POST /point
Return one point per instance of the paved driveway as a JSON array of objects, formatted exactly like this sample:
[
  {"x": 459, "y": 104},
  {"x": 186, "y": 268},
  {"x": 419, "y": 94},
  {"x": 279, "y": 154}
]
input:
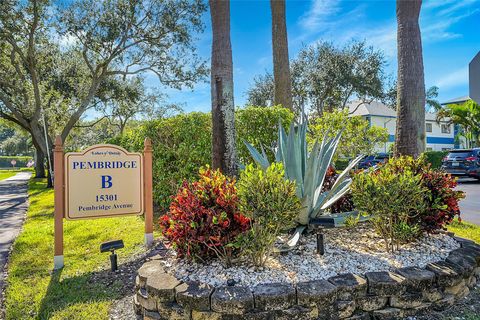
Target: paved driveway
[
  {"x": 13, "y": 205},
  {"x": 470, "y": 206}
]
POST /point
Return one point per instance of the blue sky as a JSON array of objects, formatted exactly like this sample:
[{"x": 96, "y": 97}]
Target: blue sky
[{"x": 450, "y": 35}]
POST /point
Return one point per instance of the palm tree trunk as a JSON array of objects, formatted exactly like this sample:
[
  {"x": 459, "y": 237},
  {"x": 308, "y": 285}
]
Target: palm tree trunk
[
  {"x": 410, "y": 131},
  {"x": 224, "y": 155},
  {"x": 281, "y": 64}
]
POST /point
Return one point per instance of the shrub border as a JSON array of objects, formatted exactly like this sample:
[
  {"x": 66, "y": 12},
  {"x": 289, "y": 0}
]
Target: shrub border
[{"x": 377, "y": 295}]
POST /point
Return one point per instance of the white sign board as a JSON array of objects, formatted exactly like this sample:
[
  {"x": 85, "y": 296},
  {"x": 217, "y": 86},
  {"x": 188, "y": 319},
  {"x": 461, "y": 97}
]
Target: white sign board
[{"x": 103, "y": 181}]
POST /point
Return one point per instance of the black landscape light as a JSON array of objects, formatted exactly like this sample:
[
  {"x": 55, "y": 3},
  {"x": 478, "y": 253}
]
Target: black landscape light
[
  {"x": 318, "y": 225},
  {"x": 112, "y": 246}
]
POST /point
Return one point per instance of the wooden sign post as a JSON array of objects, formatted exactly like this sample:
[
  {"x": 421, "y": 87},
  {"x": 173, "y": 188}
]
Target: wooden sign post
[{"x": 101, "y": 181}]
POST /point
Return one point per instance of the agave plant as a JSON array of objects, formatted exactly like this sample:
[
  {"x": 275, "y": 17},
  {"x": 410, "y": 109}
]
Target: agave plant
[{"x": 308, "y": 169}]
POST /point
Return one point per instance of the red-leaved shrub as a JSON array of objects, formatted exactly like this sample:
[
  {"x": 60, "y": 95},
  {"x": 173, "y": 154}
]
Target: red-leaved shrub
[
  {"x": 204, "y": 220},
  {"x": 345, "y": 203},
  {"x": 442, "y": 202}
]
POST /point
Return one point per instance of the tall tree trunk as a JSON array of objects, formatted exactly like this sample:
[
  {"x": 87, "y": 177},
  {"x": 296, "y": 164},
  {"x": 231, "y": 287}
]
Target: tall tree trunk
[
  {"x": 49, "y": 173},
  {"x": 410, "y": 131},
  {"x": 224, "y": 155},
  {"x": 39, "y": 163},
  {"x": 281, "y": 64}
]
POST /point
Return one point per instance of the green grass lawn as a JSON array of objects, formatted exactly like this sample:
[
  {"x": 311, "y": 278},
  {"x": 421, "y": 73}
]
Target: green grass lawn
[
  {"x": 35, "y": 292},
  {"x": 465, "y": 230},
  {"x": 4, "y": 174}
]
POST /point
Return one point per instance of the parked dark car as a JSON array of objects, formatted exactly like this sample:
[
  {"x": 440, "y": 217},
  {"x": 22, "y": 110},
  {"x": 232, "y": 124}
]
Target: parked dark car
[
  {"x": 373, "y": 160},
  {"x": 463, "y": 162}
]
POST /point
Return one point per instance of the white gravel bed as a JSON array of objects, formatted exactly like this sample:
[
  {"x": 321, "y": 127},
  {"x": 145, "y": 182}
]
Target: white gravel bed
[{"x": 357, "y": 250}]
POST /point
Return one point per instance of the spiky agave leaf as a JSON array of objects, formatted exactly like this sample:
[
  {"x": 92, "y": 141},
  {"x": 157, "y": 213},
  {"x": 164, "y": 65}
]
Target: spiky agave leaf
[{"x": 260, "y": 158}]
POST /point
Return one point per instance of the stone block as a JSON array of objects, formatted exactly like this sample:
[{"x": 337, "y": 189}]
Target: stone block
[
  {"x": 349, "y": 286},
  {"x": 471, "y": 282},
  {"x": 345, "y": 309},
  {"x": 455, "y": 288},
  {"x": 465, "y": 262},
  {"x": 151, "y": 315},
  {"x": 371, "y": 303},
  {"x": 445, "y": 273},
  {"x": 262, "y": 315},
  {"x": 472, "y": 245},
  {"x": 462, "y": 293},
  {"x": 232, "y": 300},
  {"x": 146, "y": 301},
  {"x": 298, "y": 313},
  {"x": 432, "y": 295},
  {"x": 476, "y": 272},
  {"x": 387, "y": 314},
  {"x": 416, "y": 279},
  {"x": 162, "y": 286},
  {"x": 173, "y": 311},
  {"x": 318, "y": 292},
  {"x": 274, "y": 296},
  {"x": 359, "y": 316},
  {"x": 471, "y": 252},
  {"x": 407, "y": 301},
  {"x": 194, "y": 295},
  {"x": 384, "y": 283},
  {"x": 148, "y": 269},
  {"x": 206, "y": 315},
  {"x": 444, "y": 303},
  {"x": 137, "y": 308},
  {"x": 422, "y": 309},
  {"x": 327, "y": 313}
]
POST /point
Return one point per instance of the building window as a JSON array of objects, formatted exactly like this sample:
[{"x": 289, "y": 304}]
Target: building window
[
  {"x": 428, "y": 127},
  {"x": 445, "y": 149},
  {"x": 445, "y": 128},
  {"x": 429, "y": 149}
]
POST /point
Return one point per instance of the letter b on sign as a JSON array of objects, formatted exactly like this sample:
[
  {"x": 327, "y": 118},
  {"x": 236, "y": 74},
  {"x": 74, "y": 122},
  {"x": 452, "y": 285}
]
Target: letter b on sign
[{"x": 106, "y": 182}]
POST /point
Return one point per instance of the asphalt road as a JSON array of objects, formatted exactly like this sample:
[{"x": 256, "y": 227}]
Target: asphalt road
[
  {"x": 470, "y": 206},
  {"x": 13, "y": 205}
]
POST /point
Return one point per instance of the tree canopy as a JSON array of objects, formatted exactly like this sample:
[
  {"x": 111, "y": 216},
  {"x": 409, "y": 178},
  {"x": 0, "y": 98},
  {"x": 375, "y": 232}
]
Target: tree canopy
[
  {"x": 325, "y": 77},
  {"x": 59, "y": 58}
]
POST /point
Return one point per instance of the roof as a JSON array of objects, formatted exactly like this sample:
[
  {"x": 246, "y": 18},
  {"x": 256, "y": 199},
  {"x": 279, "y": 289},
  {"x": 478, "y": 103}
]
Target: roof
[
  {"x": 376, "y": 108},
  {"x": 357, "y": 108},
  {"x": 456, "y": 100}
]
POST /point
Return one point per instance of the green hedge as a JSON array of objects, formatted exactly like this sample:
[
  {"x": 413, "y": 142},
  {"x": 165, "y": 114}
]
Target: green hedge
[
  {"x": 21, "y": 161},
  {"x": 259, "y": 127},
  {"x": 435, "y": 158},
  {"x": 182, "y": 144}
]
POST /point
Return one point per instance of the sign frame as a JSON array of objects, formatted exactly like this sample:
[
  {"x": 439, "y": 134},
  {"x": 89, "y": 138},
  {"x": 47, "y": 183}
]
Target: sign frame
[
  {"x": 59, "y": 180},
  {"x": 84, "y": 152}
]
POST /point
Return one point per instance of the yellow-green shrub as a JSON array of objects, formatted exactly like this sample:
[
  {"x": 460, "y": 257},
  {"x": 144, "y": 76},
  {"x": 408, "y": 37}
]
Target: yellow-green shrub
[
  {"x": 272, "y": 206},
  {"x": 392, "y": 198}
]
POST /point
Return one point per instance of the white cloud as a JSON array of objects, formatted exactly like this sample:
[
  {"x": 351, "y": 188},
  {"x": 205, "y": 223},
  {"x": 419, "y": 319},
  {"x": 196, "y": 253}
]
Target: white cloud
[
  {"x": 455, "y": 6},
  {"x": 454, "y": 79},
  {"x": 436, "y": 25},
  {"x": 437, "y": 3},
  {"x": 319, "y": 13}
]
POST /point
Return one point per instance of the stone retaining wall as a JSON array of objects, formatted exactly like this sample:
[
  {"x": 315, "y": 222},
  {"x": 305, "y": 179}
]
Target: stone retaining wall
[{"x": 374, "y": 295}]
